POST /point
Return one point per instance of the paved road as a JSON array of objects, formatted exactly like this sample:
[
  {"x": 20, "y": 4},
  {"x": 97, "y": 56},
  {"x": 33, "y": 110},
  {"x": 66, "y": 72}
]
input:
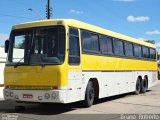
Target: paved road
[{"x": 148, "y": 103}]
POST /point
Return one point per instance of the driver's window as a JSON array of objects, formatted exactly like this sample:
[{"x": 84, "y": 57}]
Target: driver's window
[{"x": 18, "y": 49}]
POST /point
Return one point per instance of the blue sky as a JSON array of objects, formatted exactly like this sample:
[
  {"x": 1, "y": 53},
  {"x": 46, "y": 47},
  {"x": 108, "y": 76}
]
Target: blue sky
[{"x": 137, "y": 18}]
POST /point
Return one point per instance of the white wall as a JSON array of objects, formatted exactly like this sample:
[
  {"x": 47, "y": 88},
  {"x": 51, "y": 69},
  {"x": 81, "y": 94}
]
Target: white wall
[{"x": 2, "y": 64}]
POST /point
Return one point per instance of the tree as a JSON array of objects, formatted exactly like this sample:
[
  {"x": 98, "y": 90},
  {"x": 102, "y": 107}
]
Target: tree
[
  {"x": 151, "y": 41},
  {"x": 20, "y": 45}
]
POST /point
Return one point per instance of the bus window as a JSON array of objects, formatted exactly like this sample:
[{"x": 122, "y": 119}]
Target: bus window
[
  {"x": 90, "y": 42},
  {"x": 74, "y": 49},
  {"x": 152, "y": 54},
  {"x": 145, "y": 52},
  {"x": 41, "y": 45},
  {"x": 106, "y": 45},
  {"x": 137, "y": 51},
  {"x": 118, "y": 47},
  {"x": 128, "y": 49}
]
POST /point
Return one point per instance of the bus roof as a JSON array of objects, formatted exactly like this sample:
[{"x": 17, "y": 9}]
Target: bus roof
[{"x": 81, "y": 25}]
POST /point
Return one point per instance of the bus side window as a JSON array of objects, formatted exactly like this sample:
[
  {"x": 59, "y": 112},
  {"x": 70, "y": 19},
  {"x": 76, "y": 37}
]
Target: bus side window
[
  {"x": 118, "y": 47},
  {"x": 137, "y": 51},
  {"x": 106, "y": 45},
  {"x": 152, "y": 54},
  {"x": 128, "y": 49},
  {"x": 74, "y": 49},
  {"x": 145, "y": 51}
]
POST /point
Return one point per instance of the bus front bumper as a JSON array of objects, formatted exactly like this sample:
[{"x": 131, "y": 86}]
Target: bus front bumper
[{"x": 41, "y": 96}]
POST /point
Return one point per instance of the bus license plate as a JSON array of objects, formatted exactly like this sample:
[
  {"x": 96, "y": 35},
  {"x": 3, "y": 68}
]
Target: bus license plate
[{"x": 27, "y": 96}]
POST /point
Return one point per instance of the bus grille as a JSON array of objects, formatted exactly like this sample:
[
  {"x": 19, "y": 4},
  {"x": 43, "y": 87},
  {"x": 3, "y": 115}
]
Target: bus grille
[{"x": 30, "y": 87}]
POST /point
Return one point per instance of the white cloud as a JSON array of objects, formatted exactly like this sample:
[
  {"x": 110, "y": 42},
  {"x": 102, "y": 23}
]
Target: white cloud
[
  {"x": 73, "y": 11},
  {"x": 155, "y": 32},
  {"x": 124, "y": 0},
  {"x": 138, "y": 19},
  {"x": 158, "y": 45},
  {"x": 3, "y": 36},
  {"x": 143, "y": 39}
]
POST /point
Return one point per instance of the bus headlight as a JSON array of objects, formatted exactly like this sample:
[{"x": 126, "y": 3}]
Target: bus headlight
[
  {"x": 16, "y": 96},
  {"x": 54, "y": 95},
  {"x": 47, "y": 95},
  {"x": 6, "y": 93},
  {"x": 11, "y": 94}
]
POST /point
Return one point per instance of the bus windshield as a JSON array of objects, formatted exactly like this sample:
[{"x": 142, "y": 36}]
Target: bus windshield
[{"x": 34, "y": 46}]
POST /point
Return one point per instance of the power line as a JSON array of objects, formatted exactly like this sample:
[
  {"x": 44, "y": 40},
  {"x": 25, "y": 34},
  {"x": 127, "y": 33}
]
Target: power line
[
  {"x": 22, "y": 17},
  {"x": 36, "y": 13},
  {"x": 48, "y": 12}
]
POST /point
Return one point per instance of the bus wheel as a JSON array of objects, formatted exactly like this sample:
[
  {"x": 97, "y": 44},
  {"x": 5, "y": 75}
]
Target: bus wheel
[
  {"x": 89, "y": 95},
  {"x": 138, "y": 87},
  {"x": 144, "y": 85}
]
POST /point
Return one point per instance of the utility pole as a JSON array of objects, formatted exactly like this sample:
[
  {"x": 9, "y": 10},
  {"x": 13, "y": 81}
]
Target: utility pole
[{"x": 48, "y": 10}]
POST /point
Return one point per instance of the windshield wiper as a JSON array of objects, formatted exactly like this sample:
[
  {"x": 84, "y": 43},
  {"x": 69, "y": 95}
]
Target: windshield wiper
[
  {"x": 41, "y": 63},
  {"x": 16, "y": 65}
]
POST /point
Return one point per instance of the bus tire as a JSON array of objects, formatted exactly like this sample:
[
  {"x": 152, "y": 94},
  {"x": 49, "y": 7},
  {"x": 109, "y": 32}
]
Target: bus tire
[
  {"x": 144, "y": 85},
  {"x": 89, "y": 95},
  {"x": 138, "y": 87}
]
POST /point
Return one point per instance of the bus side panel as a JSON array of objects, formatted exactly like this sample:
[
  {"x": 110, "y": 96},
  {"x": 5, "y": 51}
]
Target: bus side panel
[
  {"x": 113, "y": 83},
  {"x": 117, "y": 75},
  {"x": 74, "y": 86},
  {"x": 152, "y": 79}
]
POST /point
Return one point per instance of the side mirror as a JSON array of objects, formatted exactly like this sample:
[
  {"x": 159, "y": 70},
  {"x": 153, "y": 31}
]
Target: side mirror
[{"x": 6, "y": 46}]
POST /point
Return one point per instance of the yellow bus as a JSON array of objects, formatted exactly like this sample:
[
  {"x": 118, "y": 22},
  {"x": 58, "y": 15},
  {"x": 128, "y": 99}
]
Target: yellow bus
[{"x": 65, "y": 60}]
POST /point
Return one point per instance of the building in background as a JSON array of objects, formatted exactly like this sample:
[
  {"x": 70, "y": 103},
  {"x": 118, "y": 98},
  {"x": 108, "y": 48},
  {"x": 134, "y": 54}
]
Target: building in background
[
  {"x": 3, "y": 56},
  {"x": 158, "y": 67}
]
